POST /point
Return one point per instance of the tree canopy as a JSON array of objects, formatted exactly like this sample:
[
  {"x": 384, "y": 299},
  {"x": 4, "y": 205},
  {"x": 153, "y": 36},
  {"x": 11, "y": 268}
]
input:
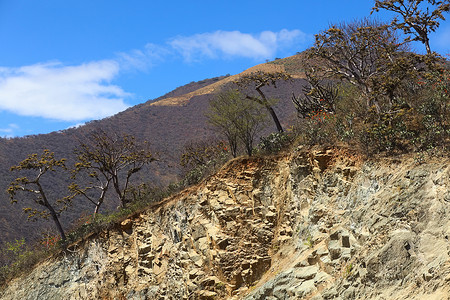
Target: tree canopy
[
  {"x": 418, "y": 18},
  {"x": 367, "y": 54},
  {"x": 257, "y": 80},
  {"x": 237, "y": 119},
  {"x": 41, "y": 166},
  {"x": 109, "y": 161}
]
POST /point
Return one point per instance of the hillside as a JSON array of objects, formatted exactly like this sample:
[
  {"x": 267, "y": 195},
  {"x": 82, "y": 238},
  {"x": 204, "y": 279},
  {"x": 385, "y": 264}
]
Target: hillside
[
  {"x": 311, "y": 224},
  {"x": 167, "y": 123}
]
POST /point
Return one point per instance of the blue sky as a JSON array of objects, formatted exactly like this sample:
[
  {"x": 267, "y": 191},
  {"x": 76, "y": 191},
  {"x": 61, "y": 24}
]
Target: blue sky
[{"x": 63, "y": 63}]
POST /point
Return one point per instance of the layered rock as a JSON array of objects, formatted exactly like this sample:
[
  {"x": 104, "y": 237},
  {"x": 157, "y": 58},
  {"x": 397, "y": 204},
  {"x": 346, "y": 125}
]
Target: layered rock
[{"x": 309, "y": 225}]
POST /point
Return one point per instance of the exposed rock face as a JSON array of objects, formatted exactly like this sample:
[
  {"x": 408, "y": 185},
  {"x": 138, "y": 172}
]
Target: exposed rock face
[{"x": 312, "y": 225}]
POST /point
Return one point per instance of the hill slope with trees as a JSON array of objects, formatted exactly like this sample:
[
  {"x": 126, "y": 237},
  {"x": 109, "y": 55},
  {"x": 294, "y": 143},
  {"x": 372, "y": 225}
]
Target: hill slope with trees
[
  {"x": 359, "y": 85},
  {"x": 167, "y": 128}
]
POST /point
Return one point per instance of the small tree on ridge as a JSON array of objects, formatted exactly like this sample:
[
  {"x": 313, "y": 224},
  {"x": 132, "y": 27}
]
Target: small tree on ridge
[
  {"x": 258, "y": 80},
  {"x": 109, "y": 162},
  {"x": 35, "y": 190},
  {"x": 237, "y": 119},
  {"x": 417, "y": 20}
]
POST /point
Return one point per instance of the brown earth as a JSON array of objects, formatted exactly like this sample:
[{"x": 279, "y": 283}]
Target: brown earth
[{"x": 311, "y": 224}]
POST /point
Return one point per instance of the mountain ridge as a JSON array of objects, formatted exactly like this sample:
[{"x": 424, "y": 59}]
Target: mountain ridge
[
  {"x": 215, "y": 87},
  {"x": 167, "y": 128}
]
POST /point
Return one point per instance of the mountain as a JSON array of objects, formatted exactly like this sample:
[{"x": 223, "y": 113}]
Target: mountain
[
  {"x": 167, "y": 123},
  {"x": 313, "y": 223}
]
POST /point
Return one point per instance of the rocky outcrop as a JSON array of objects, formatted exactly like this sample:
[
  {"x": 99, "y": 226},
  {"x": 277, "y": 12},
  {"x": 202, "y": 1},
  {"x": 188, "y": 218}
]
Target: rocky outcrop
[{"x": 309, "y": 225}]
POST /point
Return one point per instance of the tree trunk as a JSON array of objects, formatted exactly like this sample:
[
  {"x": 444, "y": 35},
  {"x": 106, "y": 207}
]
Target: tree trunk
[
  {"x": 427, "y": 45},
  {"x": 55, "y": 218},
  {"x": 269, "y": 108},
  {"x": 119, "y": 194},
  {"x": 58, "y": 224},
  {"x": 52, "y": 212},
  {"x": 275, "y": 118},
  {"x": 97, "y": 208},
  {"x": 249, "y": 148},
  {"x": 101, "y": 198},
  {"x": 233, "y": 146}
]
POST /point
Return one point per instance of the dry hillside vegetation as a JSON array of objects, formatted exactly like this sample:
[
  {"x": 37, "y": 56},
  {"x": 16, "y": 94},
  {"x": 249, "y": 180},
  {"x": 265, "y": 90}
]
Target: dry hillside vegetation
[
  {"x": 217, "y": 86},
  {"x": 312, "y": 224},
  {"x": 167, "y": 128}
]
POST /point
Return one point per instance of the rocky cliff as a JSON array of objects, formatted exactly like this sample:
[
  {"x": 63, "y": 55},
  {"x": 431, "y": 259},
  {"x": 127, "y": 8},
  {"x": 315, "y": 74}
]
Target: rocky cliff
[{"x": 308, "y": 225}]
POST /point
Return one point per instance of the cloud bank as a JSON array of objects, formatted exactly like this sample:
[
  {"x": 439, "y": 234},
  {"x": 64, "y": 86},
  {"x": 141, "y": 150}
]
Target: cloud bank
[
  {"x": 230, "y": 44},
  {"x": 84, "y": 92},
  {"x": 64, "y": 93}
]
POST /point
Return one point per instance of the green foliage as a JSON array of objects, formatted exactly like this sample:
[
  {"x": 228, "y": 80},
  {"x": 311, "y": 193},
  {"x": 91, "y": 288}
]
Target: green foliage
[
  {"x": 224, "y": 112},
  {"x": 237, "y": 118},
  {"x": 16, "y": 248},
  {"x": 18, "y": 257},
  {"x": 434, "y": 113},
  {"x": 274, "y": 142},
  {"x": 348, "y": 270},
  {"x": 89, "y": 224},
  {"x": 144, "y": 196},
  {"x": 388, "y": 131},
  {"x": 309, "y": 241},
  {"x": 107, "y": 161},
  {"x": 422, "y": 124},
  {"x": 394, "y": 100},
  {"x": 366, "y": 54},
  {"x": 315, "y": 132}
]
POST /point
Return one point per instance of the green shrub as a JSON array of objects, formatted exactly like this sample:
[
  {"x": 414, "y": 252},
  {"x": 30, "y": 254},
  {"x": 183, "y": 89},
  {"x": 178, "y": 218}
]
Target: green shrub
[
  {"x": 388, "y": 131},
  {"x": 148, "y": 194},
  {"x": 18, "y": 257},
  {"x": 435, "y": 110},
  {"x": 274, "y": 142},
  {"x": 317, "y": 130}
]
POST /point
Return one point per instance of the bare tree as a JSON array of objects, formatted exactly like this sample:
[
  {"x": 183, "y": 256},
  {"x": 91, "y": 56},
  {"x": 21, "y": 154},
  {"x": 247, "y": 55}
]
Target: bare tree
[
  {"x": 418, "y": 17},
  {"x": 109, "y": 161},
  {"x": 365, "y": 53}
]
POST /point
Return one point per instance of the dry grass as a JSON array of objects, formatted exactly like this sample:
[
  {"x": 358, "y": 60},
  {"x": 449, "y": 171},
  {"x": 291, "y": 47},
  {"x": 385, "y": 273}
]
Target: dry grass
[{"x": 216, "y": 86}]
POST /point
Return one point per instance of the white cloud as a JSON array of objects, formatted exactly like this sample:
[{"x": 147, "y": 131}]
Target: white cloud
[
  {"x": 9, "y": 131},
  {"x": 65, "y": 93},
  {"x": 83, "y": 92},
  {"x": 236, "y": 44},
  {"x": 11, "y": 128},
  {"x": 144, "y": 59},
  {"x": 76, "y": 125}
]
